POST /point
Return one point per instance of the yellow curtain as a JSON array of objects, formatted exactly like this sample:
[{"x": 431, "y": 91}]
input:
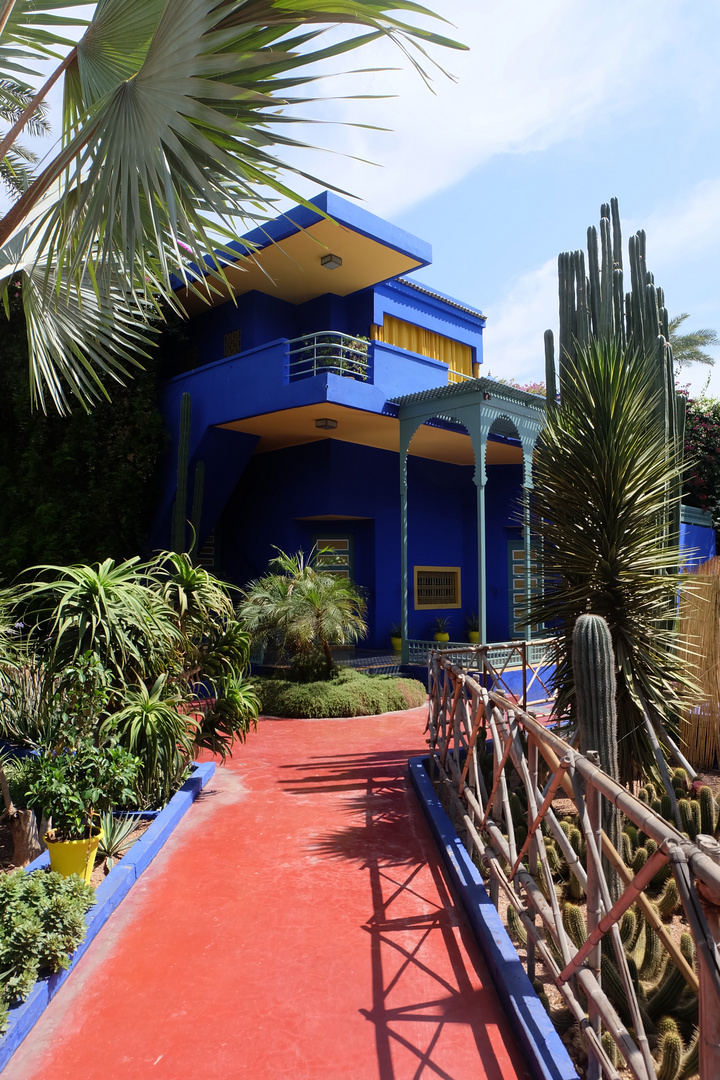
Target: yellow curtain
[{"x": 405, "y": 335}]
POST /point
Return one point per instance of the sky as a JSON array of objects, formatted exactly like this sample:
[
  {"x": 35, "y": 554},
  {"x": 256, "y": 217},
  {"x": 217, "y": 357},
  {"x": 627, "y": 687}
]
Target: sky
[{"x": 555, "y": 107}]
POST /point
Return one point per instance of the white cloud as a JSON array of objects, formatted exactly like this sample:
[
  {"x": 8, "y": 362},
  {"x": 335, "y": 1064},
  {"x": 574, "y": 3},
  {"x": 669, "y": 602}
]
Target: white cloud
[
  {"x": 687, "y": 228},
  {"x": 535, "y": 74},
  {"x": 513, "y": 341}
]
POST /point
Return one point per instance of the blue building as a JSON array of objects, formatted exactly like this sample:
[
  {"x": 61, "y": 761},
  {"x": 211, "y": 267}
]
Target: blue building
[{"x": 335, "y": 401}]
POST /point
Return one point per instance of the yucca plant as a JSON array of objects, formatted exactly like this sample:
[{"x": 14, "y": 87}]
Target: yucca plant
[
  {"x": 152, "y": 728},
  {"x": 117, "y": 836},
  {"x": 108, "y": 609},
  {"x": 172, "y": 112},
  {"x": 602, "y": 472}
]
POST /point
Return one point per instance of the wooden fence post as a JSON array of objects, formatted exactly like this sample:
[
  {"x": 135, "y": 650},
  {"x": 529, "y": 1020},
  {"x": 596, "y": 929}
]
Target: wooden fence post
[{"x": 708, "y": 1001}]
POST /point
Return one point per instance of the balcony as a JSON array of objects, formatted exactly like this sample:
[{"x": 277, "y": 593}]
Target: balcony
[{"x": 328, "y": 352}]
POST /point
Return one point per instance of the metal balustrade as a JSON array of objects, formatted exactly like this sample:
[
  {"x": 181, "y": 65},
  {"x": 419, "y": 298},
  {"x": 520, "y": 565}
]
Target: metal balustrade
[
  {"x": 328, "y": 352},
  {"x": 463, "y": 714}
]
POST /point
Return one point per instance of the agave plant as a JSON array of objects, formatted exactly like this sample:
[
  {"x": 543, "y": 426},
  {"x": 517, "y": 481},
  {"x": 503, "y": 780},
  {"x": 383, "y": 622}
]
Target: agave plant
[
  {"x": 172, "y": 109},
  {"x": 602, "y": 471}
]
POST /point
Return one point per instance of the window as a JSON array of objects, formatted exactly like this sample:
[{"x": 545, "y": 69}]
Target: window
[
  {"x": 458, "y": 357},
  {"x": 516, "y": 551},
  {"x": 337, "y": 556},
  {"x": 231, "y": 343},
  {"x": 437, "y": 587}
]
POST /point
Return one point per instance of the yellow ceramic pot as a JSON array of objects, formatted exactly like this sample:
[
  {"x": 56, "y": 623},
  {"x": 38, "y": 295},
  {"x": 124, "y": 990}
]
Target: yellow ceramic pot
[
  {"x": 396, "y": 643},
  {"x": 474, "y": 636},
  {"x": 73, "y": 856},
  {"x": 442, "y": 637}
]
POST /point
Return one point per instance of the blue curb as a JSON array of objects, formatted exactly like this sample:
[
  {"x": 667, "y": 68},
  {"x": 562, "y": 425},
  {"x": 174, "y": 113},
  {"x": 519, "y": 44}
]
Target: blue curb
[
  {"x": 545, "y": 1053},
  {"x": 108, "y": 895}
]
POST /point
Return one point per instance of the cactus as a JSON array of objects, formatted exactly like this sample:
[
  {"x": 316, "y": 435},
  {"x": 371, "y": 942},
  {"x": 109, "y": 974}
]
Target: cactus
[
  {"x": 555, "y": 860},
  {"x": 178, "y": 529},
  {"x": 641, "y": 857},
  {"x": 628, "y": 852},
  {"x": 708, "y": 816},
  {"x": 516, "y": 810},
  {"x": 575, "y": 925},
  {"x": 654, "y": 955},
  {"x": 628, "y": 926},
  {"x": 666, "y": 808},
  {"x": 631, "y": 830},
  {"x": 610, "y": 1047},
  {"x": 669, "y": 902},
  {"x": 686, "y": 818},
  {"x": 515, "y": 927},
  {"x": 691, "y": 1059},
  {"x": 643, "y": 795},
  {"x": 650, "y": 846},
  {"x": 671, "y": 1055},
  {"x": 679, "y": 778}
]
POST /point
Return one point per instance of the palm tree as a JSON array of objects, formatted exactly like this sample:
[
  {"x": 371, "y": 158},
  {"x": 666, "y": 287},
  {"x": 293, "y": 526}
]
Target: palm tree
[
  {"x": 303, "y": 609},
  {"x": 688, "y": 348},
  {"x": 602, "y": 471},
  {"x": 172, "y": 115}
]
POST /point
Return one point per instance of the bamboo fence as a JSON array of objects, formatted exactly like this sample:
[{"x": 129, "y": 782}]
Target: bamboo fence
[
  {"x": 462, "y": 714},
  {"x": 700, "y": 630}
]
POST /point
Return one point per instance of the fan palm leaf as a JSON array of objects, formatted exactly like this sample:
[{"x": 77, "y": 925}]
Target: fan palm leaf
[{"x": 602, "y": 473}]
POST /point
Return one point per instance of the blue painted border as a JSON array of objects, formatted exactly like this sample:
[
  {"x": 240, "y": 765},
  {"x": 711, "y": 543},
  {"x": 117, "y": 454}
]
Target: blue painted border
[
  {"x": 108, "y": 895},
  {"x": 545, "y": 1053}
]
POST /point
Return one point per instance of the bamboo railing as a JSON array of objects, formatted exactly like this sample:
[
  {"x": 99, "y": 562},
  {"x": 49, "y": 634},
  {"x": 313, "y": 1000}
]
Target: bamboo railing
[{"x": 463, "y": 714}]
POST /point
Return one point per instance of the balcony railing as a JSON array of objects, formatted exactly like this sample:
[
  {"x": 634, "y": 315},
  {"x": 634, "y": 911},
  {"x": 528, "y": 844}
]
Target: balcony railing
[{"x": 328, "y": 352}]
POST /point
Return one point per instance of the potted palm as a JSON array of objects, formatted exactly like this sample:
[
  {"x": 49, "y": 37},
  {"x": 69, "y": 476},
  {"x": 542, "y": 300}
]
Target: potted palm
[
  {"x": 442, "y": 628},
  {"x": 396, "y": 637},
  {"x": 473, "y": 627}
]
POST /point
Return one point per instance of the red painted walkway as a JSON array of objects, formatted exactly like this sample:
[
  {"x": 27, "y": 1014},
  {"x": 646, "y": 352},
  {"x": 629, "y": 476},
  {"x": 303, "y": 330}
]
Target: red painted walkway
[{"x": 296, "y": 925}]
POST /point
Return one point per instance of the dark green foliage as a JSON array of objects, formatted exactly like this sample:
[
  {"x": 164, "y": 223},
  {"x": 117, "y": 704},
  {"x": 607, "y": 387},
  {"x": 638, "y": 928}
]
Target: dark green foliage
[
  {"x": 352, "y": 693},
  {"x": 80, "y": 487},
  {"x": 702, "y": 438},
  {"x": 41, "y": 924}
]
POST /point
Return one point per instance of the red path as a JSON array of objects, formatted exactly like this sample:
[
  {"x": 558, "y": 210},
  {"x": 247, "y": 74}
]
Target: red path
[{"x": 296, "y": 925}]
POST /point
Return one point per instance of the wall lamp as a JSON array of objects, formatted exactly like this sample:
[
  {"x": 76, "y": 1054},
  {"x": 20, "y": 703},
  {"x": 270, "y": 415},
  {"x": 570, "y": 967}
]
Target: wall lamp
[
  {"x": 325, "y": 422},
  {"x": 331, "y": 262}
]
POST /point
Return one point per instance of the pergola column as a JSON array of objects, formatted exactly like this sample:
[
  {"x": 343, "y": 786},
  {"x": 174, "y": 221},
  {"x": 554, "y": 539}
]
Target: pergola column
[{"x": 407, "y": 430}]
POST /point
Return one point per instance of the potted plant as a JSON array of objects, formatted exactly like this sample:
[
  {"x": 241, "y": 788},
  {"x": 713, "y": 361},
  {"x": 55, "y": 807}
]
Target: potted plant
[
  {"x": 473, "y": 627},
  {"x": 396, "y": 637},
  {"x": 442, "y": 628},
  {"x": 73, "y": 787}
]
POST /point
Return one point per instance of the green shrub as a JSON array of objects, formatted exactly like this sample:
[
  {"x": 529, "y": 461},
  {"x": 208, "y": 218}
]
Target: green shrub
[
  {"x": 42, "y": 922},
  {"x": 352, "y": 693}
]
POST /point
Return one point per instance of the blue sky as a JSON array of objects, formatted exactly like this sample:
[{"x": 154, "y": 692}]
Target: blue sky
[{"x": 558, "y": 105}]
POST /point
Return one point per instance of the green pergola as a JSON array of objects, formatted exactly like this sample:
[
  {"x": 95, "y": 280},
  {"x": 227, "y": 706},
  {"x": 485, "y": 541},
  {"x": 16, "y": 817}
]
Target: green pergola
[{"x": 483, "y": 407}]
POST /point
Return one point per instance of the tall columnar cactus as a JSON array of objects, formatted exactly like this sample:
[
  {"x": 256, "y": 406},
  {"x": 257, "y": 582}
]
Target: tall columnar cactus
[
  {"x": 593, "y": 304},
  {"x": 179, "y": 515},
  {"x": 595, "y": 691}
]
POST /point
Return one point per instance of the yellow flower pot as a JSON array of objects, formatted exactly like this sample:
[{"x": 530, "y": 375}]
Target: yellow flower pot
[
  {"x": 396, "y": 643},
  {"x": 442, "y": 637},
  {"x": 474, "y": 636},
  {"x": 73, "y": 856}
]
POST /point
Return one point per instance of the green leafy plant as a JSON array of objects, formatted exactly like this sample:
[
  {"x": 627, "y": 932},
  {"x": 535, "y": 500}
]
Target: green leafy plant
[
  {"x": 111, "y": 610},
  {"x": 442, "y": 624},
  {"x": 302, "y": 608},
  {"x": 472, "y": 622},
  {"x": 42, "y": 922},
  {"x": 151, "y": 727}
]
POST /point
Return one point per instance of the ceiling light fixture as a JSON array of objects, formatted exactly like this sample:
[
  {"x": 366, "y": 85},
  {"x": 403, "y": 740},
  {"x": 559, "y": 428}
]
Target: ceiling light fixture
[
  {"x": 331, "y": 262},
  {"x": 325, "y": 422}
]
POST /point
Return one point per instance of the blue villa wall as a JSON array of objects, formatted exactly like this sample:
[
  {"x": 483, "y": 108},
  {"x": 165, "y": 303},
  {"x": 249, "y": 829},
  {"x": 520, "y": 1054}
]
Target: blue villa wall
[{"x": 330, "y": 477}]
